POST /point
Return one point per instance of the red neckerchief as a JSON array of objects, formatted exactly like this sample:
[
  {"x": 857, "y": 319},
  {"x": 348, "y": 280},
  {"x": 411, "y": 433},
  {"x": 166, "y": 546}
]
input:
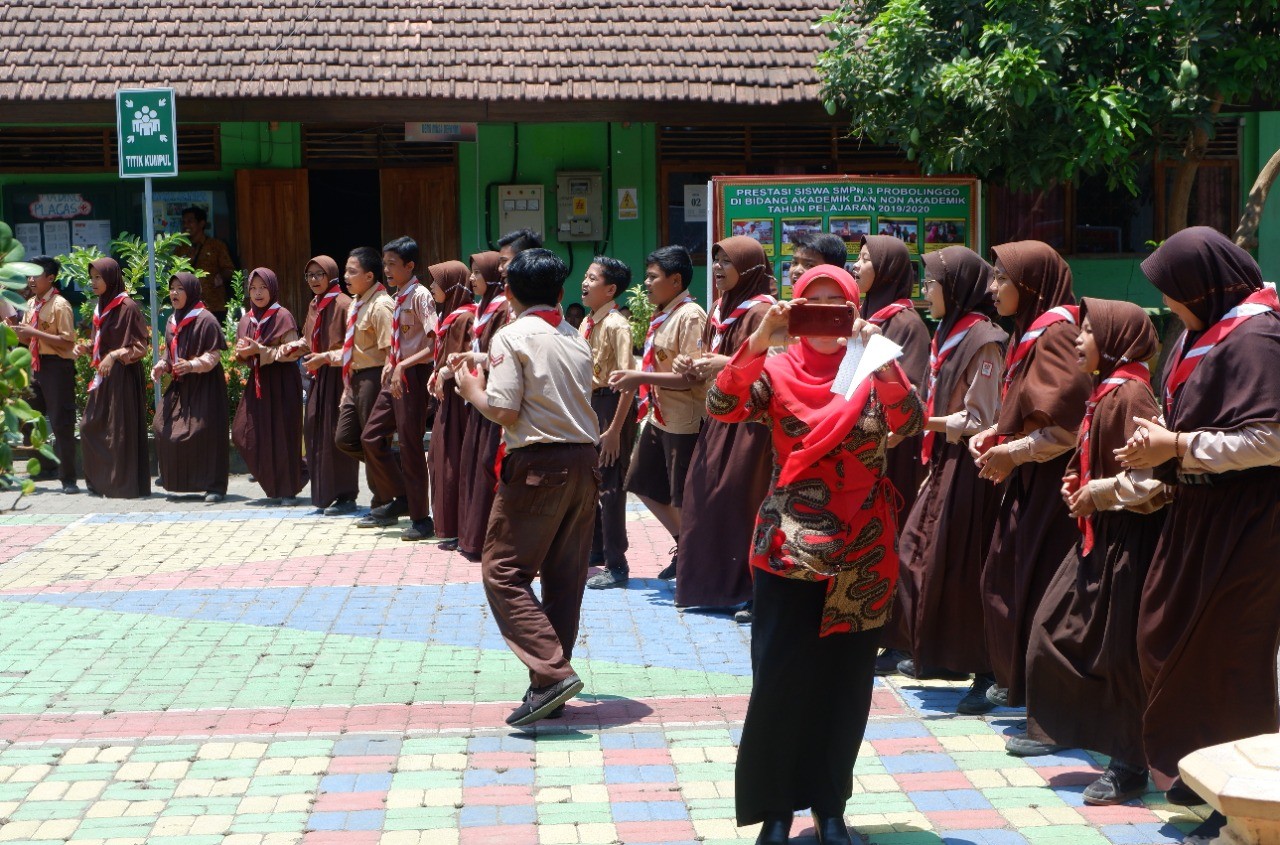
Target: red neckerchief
[
  {"x": 349, "y": 339},
  {"x": 492, "y": 308},
  {"x": 551, "y": 316},
  {"x": 394, "y": 357},
  {"x": 175, "y": 329},
  {"x": 722, "y": 327},
  {"x": 1127, "y": 372},
  {"x": 321, "y": 303},
  {"x": 589, "y": 324},
  {"x": 1017, "y": 354},
  {"x": 97, "y": 334},
  {"x": 650, "y": 356},
  {"x": 937, "y": 357},
  {"x": 891, "y": 310},
  {"x": 34, "y": 344},
  {"x": 1258, "y": 302},
  {"x": 256, "y": 324},
  {"x": 453, "y": 317}
]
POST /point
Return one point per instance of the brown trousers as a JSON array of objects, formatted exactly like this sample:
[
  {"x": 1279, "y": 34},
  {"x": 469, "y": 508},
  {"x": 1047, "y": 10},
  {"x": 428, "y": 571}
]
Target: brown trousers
[
  {"x": 540, "y": 527},
  {"x": 609, "y": 539},
  {"x": 353, "y": 415},
  {"x": 407, "y": 417},
  {"x": 55, "y": 396}
]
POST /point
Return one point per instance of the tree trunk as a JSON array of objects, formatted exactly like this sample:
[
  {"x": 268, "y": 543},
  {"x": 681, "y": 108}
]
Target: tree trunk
[
  {"x": 1247, "y": 232},
  {"x": 1178, "y": 203}
]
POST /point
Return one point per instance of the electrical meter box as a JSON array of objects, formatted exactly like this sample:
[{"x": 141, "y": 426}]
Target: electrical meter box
[
  {"x": 579, "y": 206},
  {"x": 521, "y": 207}
]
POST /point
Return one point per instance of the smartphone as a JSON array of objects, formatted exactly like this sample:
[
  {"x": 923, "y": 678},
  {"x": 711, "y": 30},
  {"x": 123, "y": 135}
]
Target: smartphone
[{"x": 814, "y": 320}]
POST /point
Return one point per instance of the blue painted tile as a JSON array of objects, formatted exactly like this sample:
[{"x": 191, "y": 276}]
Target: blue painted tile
[
  {"x": 915, "y": 763},
  {"x": 950, "y": 799},
  {"x": 1141, "y": 834},
  {"x": 487, "y": 777},
  {"x": 639, "y": 774}
]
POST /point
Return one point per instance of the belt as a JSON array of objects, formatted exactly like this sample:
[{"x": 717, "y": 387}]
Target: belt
[
  {"x": 602, "y": 391},
  {"x": 1217, "y": 479}
]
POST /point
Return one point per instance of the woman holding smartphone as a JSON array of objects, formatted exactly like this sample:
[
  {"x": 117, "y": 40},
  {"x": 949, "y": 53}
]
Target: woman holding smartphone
[{"x": 823, "y": 554}]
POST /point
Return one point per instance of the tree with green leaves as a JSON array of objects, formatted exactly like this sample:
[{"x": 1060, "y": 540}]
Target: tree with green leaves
[
  {"x": 1032, "y": 95},
  {"x": 15, "y": 371}
]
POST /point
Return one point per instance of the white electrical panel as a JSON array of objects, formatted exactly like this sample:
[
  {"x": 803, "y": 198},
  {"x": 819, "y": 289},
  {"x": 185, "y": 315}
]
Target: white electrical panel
[
  {"x": 579, "y": 206},
  {"x": 521, "y": 207}
]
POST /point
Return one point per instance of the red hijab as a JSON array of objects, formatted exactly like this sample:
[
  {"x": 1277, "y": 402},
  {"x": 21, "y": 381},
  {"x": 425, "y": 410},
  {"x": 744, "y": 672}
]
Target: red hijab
[{"x": 801, "y": 379}]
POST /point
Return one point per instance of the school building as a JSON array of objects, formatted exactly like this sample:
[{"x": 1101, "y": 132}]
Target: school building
[{"x": 313, "y": 126}]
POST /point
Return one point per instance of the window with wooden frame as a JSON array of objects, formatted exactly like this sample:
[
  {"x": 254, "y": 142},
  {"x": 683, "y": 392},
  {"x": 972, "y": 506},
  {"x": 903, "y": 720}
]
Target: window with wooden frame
[
  {"x": 92, "y": 149},
  {"x": 688, "y": 156}
]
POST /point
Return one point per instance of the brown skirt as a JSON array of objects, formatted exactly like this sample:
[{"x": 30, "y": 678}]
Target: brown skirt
[
  {"x": 447, "y": 433},
  {"x": 903, "y": 467},
  {"x": 728, "y": 478},
  {"x": 1033, "y": 534},
  {"x": 1083, "y": 650},
  {"x": 1208, "y": 628},
  {"x": 334, "y": 473},
  {"x": 479, "y": 451},
  {"x": 192, "y": 443},
  {"x": 268, "y": 430},
  {"x": 938, "y": 608},
  {"x": 113, "y": 436}
]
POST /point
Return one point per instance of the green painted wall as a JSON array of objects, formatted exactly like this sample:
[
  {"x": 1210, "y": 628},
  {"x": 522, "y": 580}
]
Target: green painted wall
[
  {"x": 503, "y": 154},
  {"x": 1262, "y": 136}
]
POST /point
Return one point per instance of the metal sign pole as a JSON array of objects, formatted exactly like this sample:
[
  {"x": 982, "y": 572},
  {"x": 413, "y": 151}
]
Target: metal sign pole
[{"x": 148, "y": 213}]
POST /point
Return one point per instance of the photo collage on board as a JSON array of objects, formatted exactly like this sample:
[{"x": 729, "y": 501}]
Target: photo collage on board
[{"x": 921, "y": 234}]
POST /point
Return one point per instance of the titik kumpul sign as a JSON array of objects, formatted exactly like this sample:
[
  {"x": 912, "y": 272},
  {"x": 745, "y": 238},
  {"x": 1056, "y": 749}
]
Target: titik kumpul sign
[{"x": 146, "y": 126}]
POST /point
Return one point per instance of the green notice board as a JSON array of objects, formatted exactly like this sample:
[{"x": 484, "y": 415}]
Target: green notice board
[{"x": 925, "y": 213}]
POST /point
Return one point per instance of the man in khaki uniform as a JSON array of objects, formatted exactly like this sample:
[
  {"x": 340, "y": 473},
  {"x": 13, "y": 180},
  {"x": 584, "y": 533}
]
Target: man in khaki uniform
[
  {"x": 209, "y": 255},
  {"x": 671, "y": 406}
]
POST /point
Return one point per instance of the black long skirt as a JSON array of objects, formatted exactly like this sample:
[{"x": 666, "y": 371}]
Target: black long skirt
[
  {"x": 479, "y": 452},
  {"x": 268, "y": 430},
  {"x": 1208, "y": 628},
  {"x": 945, "y": 541},
  {"x": 1033, "y": 535},
  {"x": 113, "y": 435},
  {"x": 810, "y": 699},
  {"x": 728, "y": 479},
  {"x": 192, "y": 434},
  {"x": 1083, "y": 649}
]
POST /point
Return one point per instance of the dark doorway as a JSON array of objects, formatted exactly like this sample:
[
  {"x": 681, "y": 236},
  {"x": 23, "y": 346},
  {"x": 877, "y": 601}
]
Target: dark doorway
[{"x": 345, "y": 212}]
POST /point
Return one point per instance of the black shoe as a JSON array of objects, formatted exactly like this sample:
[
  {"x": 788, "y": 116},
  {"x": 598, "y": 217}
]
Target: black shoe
[
  {"x": 744, "y": 616},
  {"x": 450, "y": 545},
  {"x": 887, "y": 662},
  {"x": 421, "y": 529},
  {"x": 70, "y": 488},
  {"x": 554, "y": 714},
  {"x": 1024, "y": 746},
  {"x": 539, "y": 702},
  {"x": 1182, "y": 795},
  {"x": 607, "y": 580},
  {"x": 831, "y": 830},
  {"x": 273, "y": 501},
  {"x": 342, "y": 507},
  {"x": 908, "y": 668},
  {"x": 975, "y": 701},
  {"x": 1208, "y": 831},
  {"x": 775, "y": 830},
  {"x": 998, "y": 695},
  {"x": 473, "y": 557},
  {"x": 394, "y": 509},
  {"x": 668, "y": 572},
  {"x": 1118, "y": 784}
]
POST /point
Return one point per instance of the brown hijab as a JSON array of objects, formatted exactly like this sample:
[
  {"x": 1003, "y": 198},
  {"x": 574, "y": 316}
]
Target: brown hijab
[
  {"x": 1238, "y": 383},
  {"x": 1049, "y": 388},
  {"x": 334, "y": 327},
  {"x": 486, "y": 264},
  {"x": 451, "y": 276},
  {"x": 1042, "y": 276},
  {"x": 1124, "y": 334},
  {"x": 122, "y": 326},
  {"x": 330, "y": 269},
  {"x": 895, "y": 272},
  {"x": 754, "y": 278},
  {"x": 202, "y": 334},
  {"x": 279, "y": 324},
  {"x": 966, "y": 286}
]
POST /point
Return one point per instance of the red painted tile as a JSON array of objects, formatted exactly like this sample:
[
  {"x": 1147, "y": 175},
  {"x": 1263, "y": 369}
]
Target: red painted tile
[
  {"x": 654, "y": 831},
  {"x": 342, "y": 802},
  {"x": 966, "y": 819},
  {"x": 507, "y": 834},
  {"x": 645, "y": 792},
  {"x": 932, "y": 781},
  {"x": 342, "y": 837},
  {"x": 637, "y": 757},
  {"x": 497, "y": 795},
  {"x": 907, "y": 745},
  {"x": 1121, "y": 814}
]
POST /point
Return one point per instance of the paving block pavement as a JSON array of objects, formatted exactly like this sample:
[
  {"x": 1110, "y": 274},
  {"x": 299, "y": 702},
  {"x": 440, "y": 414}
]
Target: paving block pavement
[{"x": 176, "y": 673}]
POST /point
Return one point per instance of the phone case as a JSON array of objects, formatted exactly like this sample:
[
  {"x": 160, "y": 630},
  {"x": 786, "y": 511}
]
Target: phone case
[{"x": 806, "y": 320}]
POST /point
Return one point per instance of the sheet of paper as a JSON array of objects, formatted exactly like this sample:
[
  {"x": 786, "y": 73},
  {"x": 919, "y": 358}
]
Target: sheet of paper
[
  {"x": 861, "y": 360},
  {"x": 57, "y": 237},
  {"x": 28, "y": 234},
  {"x": 92, "y": 233}
]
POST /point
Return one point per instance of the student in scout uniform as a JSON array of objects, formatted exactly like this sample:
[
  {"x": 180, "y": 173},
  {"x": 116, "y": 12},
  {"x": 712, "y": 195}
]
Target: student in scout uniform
[
  {"x": 113, "y": 430},
  {"x": 192, "y": 446},
  {"x": 482, "y": 438},
  {"x": 403, "y": 404},
  {"x": 538, "y": 390},
  {"x": 268, "y": 425},
  {"x": 49, "y": 331},
  {"x": 609, "y": 335},
  {"x": 814, "y": 248},
  {"x": 671, "y": 406},
  {"x": 334, "y": 475},
  {"x": 455, "y": 309},
  {"x": 365, "y": 343}
]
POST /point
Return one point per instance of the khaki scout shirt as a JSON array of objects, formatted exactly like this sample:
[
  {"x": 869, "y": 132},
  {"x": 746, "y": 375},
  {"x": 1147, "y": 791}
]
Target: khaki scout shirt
[
  {"x": 610, "y": 344},
  {"x": 373, "y": 330},
  {"x": 417, "y": 320},
  {"x": 681, "y": 334},
  {"x": 56, "y": 317}
]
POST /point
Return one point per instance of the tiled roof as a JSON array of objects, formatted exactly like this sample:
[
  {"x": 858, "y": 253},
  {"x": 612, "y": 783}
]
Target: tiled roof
[{"x": 742, "y": 52}]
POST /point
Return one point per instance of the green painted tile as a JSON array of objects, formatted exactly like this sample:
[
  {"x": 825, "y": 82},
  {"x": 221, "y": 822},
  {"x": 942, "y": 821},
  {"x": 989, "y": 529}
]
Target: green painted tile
[
  {"x": 421, "y": 818},
  {"x": 284, "y": 784},
  {"x": 216, "y": 805},
  {"x": 570, "y": 813},
  {"x": 301, "y": 748},
  {"x": 150, "y": 790},
  {"x": 83, "y": 771},
  {"x": 691, "y": 772},
  {"x": 163, "y": 753},
  {"x": 222, "y": 769},
  {"x": 439, "y": 779},
  {"x": 968, "y": 760},
  {"x": 567, "y": 775},
  {"x": 862, "y": 803},
  {"x": 957, "y": 727},
  {"x": 908, "y": 837},
  {"x": 43, "y": 810},
  {"x": 269, "y": 823},
  {"x": 1061, "y": 834}
]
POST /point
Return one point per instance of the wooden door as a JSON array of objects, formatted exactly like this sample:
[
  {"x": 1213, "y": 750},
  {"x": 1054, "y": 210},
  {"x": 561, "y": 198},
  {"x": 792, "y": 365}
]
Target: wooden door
[
  {"x": 273, "y": 223},
  {"x": 422, "y": 202}
]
